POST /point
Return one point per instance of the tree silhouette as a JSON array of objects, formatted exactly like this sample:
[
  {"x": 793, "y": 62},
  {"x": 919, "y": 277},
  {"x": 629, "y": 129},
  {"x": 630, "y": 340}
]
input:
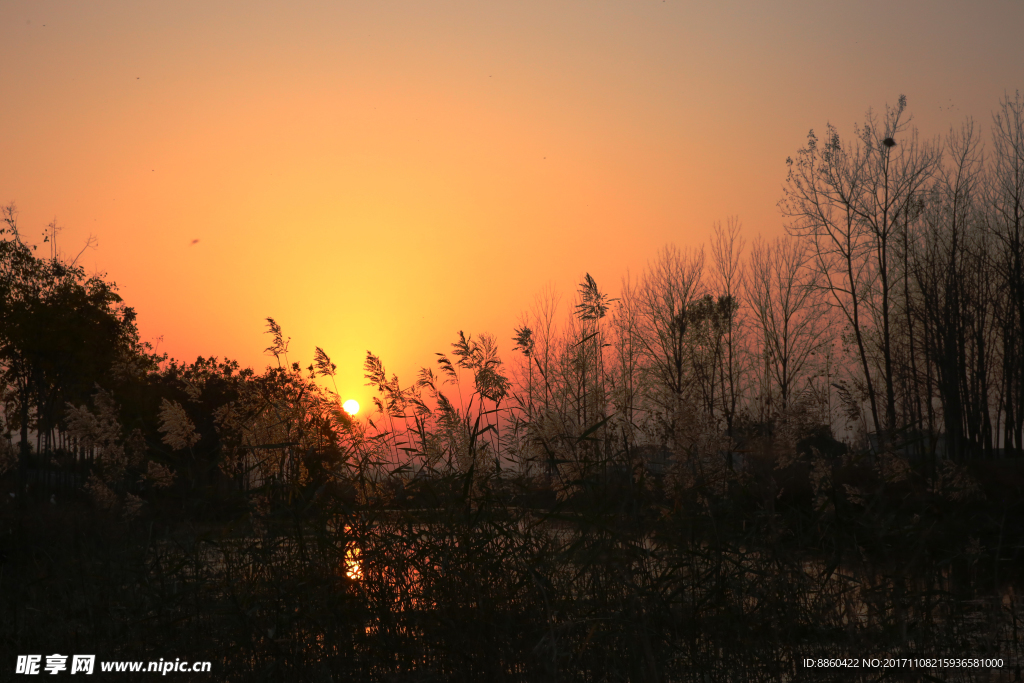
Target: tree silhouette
[{"x": 60, "y": 334}]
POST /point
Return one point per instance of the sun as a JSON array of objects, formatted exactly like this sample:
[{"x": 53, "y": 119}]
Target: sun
[{"x": 351, "y": 406}]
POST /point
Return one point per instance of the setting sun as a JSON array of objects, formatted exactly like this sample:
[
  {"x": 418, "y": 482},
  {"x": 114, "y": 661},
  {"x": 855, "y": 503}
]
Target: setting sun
[{"x": 351, "y": 406}]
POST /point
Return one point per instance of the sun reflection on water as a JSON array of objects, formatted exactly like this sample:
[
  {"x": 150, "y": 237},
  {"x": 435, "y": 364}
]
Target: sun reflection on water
[{"x": 353, "y": 565}]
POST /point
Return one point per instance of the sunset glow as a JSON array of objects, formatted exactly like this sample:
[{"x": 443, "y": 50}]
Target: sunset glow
[
  {"x": 440, "y": 162},
  {"x": 351, "y": 406}
]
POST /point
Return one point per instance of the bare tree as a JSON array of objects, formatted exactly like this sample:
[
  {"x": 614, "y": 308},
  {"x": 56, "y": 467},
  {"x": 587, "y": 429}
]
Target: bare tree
[
  {"x": 729, "y": 279},
  {"x": 951, "y": 273},
  {"x": 667, "y": 291},
  {"x": 626, "y": 381},
  {"x": 1006, "y": 200},
  {"x": 790, "y": 311}
]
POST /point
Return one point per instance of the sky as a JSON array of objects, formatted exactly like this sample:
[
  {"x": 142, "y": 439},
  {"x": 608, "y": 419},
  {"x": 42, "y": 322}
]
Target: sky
[{"x": 380, "y": 175}]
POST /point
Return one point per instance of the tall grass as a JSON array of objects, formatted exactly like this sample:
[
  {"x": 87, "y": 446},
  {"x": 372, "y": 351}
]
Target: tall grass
[{"x": 343, "y": 552}]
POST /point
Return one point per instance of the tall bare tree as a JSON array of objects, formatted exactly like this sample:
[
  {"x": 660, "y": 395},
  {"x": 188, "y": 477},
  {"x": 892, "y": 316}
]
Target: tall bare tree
[
  {"x": 1007, "y": 207},
  {"x": 848, "y": 199},
  {"x": 729, "y": 280}
]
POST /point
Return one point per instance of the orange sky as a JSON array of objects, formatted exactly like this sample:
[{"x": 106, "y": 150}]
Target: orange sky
[{"x": 381, "y": 175}]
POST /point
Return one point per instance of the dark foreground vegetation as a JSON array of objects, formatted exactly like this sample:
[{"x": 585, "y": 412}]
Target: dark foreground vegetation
[{"x": 811, "y": 452}]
